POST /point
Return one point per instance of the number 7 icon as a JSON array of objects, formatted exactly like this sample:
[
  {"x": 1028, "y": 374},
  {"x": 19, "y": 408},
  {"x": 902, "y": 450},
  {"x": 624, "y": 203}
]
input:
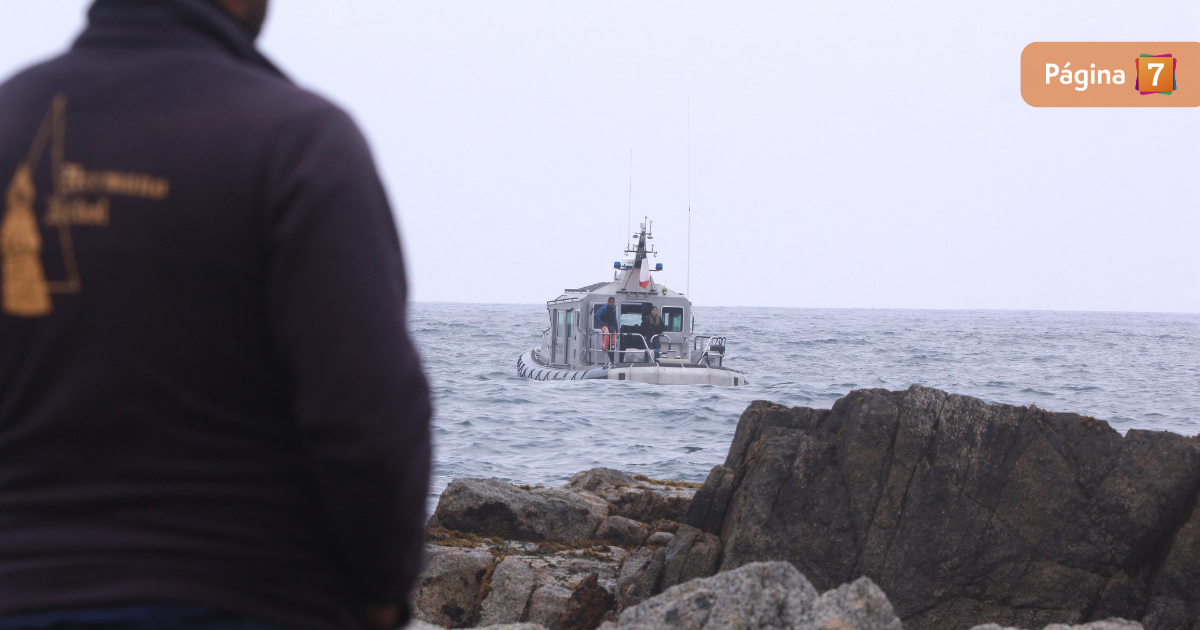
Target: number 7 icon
[{"x": 1150, "y": 76}]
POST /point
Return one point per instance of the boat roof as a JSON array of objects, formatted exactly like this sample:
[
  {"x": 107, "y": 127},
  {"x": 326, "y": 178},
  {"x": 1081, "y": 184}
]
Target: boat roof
[
  {"x": 625, "y": 285},
  {"x": 623, "y": 288}
]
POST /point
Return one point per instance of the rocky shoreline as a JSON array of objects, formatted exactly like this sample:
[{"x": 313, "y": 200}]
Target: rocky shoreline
[{"x": 963, "y": 513}]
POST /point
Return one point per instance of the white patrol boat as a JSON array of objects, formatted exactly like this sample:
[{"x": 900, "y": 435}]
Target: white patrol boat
[{"x": 581, "y": 343}]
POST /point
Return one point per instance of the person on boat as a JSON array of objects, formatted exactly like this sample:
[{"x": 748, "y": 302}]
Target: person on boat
[
  {"x": 605, "y": 320},
  {"x": 652, "y": 326},
  {"x": 222, "y": 421}
]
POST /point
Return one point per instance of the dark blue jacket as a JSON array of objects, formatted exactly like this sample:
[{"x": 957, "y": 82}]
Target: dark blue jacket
[
  {"x": 207, "y": 391},
  {"x": 606, "y": 316}
]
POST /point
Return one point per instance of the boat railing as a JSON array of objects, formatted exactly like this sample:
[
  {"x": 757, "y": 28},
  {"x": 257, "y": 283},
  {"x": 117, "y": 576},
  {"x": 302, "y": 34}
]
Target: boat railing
[
  {"x": 597, "y": 340},
  {"x": 714, "y": 343},
  {"x": 707, "y": 347},
  {"x": 646, "y": 351},
  {"x": 597, "y": 354}
]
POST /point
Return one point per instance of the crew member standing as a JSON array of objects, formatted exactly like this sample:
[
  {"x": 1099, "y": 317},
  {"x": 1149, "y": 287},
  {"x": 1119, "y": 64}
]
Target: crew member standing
[
  {"x": 605, "y": 320},
  {"x": 211, "y": 413}
]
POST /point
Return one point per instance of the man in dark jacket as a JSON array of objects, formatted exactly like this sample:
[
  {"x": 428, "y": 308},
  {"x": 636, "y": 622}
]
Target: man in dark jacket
[
  {"x": 210, "y": 409},
  {"x": 605, "y": 320},
  {"x": 606, "y": 315}
]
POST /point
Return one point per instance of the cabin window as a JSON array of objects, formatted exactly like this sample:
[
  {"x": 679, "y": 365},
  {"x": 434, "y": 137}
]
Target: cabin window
[
  {"x": 672, "y": 318},
  {"x": 570, "y": 322},
  {"x": 561, "y": 316},
  {"x": 631, "y": 313}
]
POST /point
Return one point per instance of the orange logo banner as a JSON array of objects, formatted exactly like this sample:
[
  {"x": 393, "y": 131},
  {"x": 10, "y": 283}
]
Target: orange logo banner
[{"x": 1111, "y": 74}]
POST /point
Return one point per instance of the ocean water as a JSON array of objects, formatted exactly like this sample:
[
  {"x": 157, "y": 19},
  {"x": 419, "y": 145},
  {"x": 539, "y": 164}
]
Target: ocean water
[{"x": 1135, "y": 370}]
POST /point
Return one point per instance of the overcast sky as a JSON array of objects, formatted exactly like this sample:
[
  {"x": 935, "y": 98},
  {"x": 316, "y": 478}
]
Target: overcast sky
[{"x": 842, "y": 154}]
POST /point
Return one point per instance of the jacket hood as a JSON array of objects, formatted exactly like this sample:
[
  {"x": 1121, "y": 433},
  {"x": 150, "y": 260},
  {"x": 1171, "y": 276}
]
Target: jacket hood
[{"x": 201, "y": 17}]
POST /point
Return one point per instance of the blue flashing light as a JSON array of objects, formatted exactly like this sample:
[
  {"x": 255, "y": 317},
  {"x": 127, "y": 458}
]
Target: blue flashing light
[
  {"x": 658, "y": 267},
  {"x": 617, "y": 265}
]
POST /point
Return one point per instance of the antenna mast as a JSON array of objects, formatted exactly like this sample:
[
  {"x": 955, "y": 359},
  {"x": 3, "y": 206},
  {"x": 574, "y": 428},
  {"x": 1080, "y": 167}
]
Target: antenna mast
[
  {"x": 629, "y": 208},
  {"x": 689, "y": 227}
]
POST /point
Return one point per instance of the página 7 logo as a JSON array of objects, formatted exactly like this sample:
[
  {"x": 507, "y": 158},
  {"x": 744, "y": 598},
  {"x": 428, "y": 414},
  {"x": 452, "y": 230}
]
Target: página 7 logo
[{"x": 1083, "y": 77}]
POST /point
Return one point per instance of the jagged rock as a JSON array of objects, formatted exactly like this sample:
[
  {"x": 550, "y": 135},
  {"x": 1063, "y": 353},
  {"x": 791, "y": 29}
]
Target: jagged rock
[
  {"x": 547, "y": 603},
  {"x": 449, "y": 589},
  {"x": 660, "y": 539},
  {"x": 758, "y": 595},
  {"x": 1108, "y": 624},
  {"x": 1175, "y": 593},
  {"x": 859, "y": 605},
  {"x": 513, "y": 583},
  {"x": 761, "y": 595},
  {"x": 964, "y": 511},
  {"x": 640, "y": 574},
  {"x": 588, "y": 605},
  {"x": 691, "y": 554},
  {"x": 493, "y": 508},
  {"x": 636, "y": 498},
  {"x": 559, "y": 591},
  {"x": 622, "y": 531}
]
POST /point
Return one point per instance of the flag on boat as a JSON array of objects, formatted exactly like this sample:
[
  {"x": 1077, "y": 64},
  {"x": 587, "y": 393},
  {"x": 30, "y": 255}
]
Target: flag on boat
[{"x": 644, "y": 275}]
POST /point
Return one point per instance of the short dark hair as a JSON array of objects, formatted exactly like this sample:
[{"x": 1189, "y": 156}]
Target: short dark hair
[{"x": 612, "y": 299}]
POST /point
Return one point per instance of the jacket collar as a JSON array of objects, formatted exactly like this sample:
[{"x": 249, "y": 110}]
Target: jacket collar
[{"x": 202, "y": 19}]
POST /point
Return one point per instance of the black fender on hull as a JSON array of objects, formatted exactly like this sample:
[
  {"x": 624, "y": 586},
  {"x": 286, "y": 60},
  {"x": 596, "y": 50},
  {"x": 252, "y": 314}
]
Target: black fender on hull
[{"x": 528, "y": 367}]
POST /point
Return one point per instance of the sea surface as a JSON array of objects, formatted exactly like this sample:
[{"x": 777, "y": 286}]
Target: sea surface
[{"x": 1135, "y": 370}]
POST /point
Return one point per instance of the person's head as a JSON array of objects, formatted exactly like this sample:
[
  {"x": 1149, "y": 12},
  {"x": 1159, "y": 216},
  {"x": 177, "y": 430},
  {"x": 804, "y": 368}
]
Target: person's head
[
  {"x": 653, "y": 311},
  {"x": 612, "y": 301},
  {"x": 249, "y": 13}
]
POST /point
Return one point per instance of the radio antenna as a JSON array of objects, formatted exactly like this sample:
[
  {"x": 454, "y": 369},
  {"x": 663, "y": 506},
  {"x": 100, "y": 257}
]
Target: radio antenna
[
  {"x": 689, "y": 222},
  {"x": 629, "y": 208}
]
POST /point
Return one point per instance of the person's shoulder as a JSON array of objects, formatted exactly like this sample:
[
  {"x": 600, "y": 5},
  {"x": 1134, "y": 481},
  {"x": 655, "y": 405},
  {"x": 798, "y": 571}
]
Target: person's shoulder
[
  {"x": 30, "y": 76},
  {"x": 286, "y": 105}
]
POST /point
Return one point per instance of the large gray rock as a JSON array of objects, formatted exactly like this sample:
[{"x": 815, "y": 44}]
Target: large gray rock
[
  {"x": 859, "y": 605},
  {"x": 640, "y": 575},
  {"x": 964, "y": 511},
  {"x": 1107, "y": 624},
  {"x": 589, "y": 604},
  {"x": 761, "y": 595},
  {"x": 448, "y": 592},
  {"x": 561, "y": 591},
  {"x": 493, "y": 508},
  {"x": 513, "y": 583},
  {"x": 691, "y": 554}
]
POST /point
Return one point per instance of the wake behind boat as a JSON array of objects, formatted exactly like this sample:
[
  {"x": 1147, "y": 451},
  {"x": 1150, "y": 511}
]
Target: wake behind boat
[{"x": 629, "y": 329}]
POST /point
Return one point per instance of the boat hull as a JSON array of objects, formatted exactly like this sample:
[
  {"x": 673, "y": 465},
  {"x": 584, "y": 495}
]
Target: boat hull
[{"x": 529, "y": 367}]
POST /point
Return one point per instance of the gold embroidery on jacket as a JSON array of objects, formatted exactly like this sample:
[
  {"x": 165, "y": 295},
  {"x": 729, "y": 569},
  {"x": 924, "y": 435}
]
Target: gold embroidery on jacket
[{"x": 26, "y": 291}]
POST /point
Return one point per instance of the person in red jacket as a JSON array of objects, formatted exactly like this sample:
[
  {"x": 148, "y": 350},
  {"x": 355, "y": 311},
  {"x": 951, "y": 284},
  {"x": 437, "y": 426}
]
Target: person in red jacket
[{"x": 211, "y": 412}]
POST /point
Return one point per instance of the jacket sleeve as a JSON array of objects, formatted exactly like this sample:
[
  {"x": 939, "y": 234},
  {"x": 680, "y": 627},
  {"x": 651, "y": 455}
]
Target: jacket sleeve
[{"x": 336, "y": 303}]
